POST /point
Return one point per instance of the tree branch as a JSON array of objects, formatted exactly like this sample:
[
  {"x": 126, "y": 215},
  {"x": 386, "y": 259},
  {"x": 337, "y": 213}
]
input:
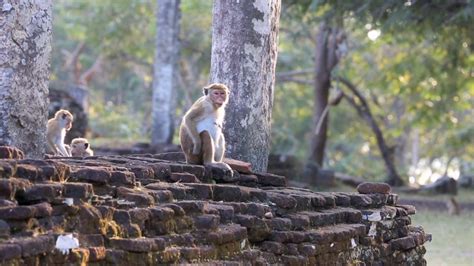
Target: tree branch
[{"x": 86, "y": 77}]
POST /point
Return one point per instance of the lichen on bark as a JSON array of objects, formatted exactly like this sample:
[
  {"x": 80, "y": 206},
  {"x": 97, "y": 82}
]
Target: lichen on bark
[{"x": 25, "y": 48}]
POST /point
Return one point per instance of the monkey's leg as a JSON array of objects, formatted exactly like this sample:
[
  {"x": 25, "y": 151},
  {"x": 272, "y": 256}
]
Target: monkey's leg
[
  {"x": 63, "y": 150},
  {"x": 220, "y": 149},
  {"x": 187, "y": 147},
  {"x": 207, "y": 148}
]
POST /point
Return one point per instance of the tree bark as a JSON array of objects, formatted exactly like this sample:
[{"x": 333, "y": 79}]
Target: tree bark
[
  {"x": 326, "y": 59},
  {"x": 25, "y": 49},
  {"x": 165, "y": 71},
  {"x": 244, "y": 54}
]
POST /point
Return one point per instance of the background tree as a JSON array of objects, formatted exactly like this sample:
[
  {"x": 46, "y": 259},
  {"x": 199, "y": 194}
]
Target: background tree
[
  {"x": 244, "y": 53},
  {"x": 165, "y": 71},
  {"x": 25, "y": 45}
]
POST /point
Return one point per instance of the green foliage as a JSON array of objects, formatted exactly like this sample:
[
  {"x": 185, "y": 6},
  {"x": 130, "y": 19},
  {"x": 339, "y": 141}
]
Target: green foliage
[{"x": 116, "y": 121}]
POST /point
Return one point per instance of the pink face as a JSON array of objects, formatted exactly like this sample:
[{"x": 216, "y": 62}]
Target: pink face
[{"x": 218, "y": 97}]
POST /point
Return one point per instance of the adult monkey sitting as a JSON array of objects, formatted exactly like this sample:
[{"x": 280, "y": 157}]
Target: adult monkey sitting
[{"x": 200, "y": 133}]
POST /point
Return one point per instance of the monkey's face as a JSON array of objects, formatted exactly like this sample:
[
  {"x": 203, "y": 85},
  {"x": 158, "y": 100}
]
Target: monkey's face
[
  {"x": 67, "y": 120},
  {"x": 80, "y": 146},
  {"x": 218, "y": 97}
]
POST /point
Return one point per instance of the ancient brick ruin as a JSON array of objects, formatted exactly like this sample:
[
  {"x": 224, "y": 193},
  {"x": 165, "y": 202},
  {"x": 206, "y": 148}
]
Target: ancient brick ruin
[{"x": 153, "y": 209}]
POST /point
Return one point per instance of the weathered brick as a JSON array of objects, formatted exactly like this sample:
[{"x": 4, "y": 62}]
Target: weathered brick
[
  {"x": 227, "y": 193},
  {"x": 17, "y": 212},
  {"x": 78, "y": 190},
  {"x": 206, "y": 221},
  {"x": 41, "y": 192},
  {"x": 135, "y": 245},
  {"x": 403, "y": 243},
  {"x": 33, "y": 246},
  {"x": 282, "y": 201},
  {"x": 122, "y": 178},
  {"x": 184, "y": 178},
  {"x": 372, "y": 187},
  {"x": 9, "y": 251},
  {"x": 268, "y": 179},
  {"x": 94, "y": 175}
]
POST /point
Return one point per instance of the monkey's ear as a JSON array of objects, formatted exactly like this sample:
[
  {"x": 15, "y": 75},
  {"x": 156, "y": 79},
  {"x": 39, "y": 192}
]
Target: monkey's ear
[
  {"x": 205, "y": 90},
  {"x": 64, "y": 116},
  {"x": 86, "y": 145}
]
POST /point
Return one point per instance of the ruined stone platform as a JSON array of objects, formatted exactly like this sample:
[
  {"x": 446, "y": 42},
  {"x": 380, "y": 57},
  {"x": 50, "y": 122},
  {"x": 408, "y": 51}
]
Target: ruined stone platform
[{"x": 154, "y": 209}]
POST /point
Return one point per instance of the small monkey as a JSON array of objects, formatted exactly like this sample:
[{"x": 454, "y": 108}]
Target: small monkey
[
  {"x": 56, "y": 131},
  {"x": 200, "y": 133},
  {"x": 80, "y": 147}
]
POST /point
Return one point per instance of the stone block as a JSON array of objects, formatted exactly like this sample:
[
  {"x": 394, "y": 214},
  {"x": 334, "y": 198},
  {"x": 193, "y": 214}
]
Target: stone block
[
  {"x": 94, "y": 175},
  {"x": 9, "y": 251},
  {"x": 282, "y": 201},
  {"x": 17, "y": 212},
  {"x": 161, "y": 213},
  {"x": 32, "y": 246},
  {"x": 78, "y": 190},
  {"x": 268, "y": 179},
  {"x": 403, "y": 243},
  {"x": 360, "y": 201},
  {"x": 239, "y": 166},
  {"x": 41, "y": 192},
  {"x": 122, "y": 178},
  {"x": 91, "y": 240},
  {"x": 206, "y": 222},
  {"x": 373, "y": 187},
  {"x": 227, "y": 193},
  {"x": 184, "y": 178},
  {"x": 134, "y": 245},
  {"x": 273, "y": 247},
  {"x": 7, "y": 168}
]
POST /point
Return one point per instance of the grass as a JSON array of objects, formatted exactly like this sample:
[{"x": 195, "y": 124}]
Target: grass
[{"x": 453, "y": 237}]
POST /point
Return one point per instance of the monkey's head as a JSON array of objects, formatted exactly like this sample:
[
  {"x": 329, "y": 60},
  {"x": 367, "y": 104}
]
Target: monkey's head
[
  {"x": 65, "y": 118},
  {"x": 78, "y": 145},
  {"x": 218, "y": 93}
]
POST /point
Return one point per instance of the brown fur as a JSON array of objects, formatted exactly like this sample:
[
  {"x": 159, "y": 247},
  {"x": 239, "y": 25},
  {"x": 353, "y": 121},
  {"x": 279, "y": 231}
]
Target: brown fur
[
  {"x": 80, "y": 147},
  {"x": 199, "y": 147},
  {"x": 56, "y": 131}
]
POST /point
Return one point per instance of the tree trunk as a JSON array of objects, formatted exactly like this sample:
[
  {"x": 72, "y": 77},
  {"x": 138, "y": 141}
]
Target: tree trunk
[
  {"x": 387, "y": 152},
  {"x": 25, "y": 49},
  {"x": 244, "y": 54},
  {"x": 165, "y": 71},
  {"x": 326, "y": 58}
]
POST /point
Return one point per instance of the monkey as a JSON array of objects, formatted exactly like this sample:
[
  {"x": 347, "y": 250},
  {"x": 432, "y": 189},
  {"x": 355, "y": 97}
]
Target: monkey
[
  {"x": 80, "y": 147},
  {"x": 56, "y": 131},
  {"x": 200, "y": 132},
  {"x": 453, "y": 206}
]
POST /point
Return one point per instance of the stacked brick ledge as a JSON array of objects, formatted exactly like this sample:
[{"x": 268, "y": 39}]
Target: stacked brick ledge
[{"x": 155, "y": 209}]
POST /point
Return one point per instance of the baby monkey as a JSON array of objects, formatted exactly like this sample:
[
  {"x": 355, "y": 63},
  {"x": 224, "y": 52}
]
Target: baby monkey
[
  {"x": 80, "y": 147},
  {"x": 56, "y": 132}
]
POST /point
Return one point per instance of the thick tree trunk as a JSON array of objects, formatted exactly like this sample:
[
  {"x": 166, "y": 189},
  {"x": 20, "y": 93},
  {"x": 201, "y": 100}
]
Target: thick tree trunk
[
  {"x": 25, "y": 49},
  {"x": 244, "y": 54},
  {"x": 165, "y": 70}
]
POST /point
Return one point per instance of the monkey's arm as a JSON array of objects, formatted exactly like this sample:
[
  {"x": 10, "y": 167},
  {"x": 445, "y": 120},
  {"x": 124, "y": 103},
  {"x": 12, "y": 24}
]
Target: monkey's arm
[
  {"x": 190, "y": 122},
  {"x": 62, "y": 150}
]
